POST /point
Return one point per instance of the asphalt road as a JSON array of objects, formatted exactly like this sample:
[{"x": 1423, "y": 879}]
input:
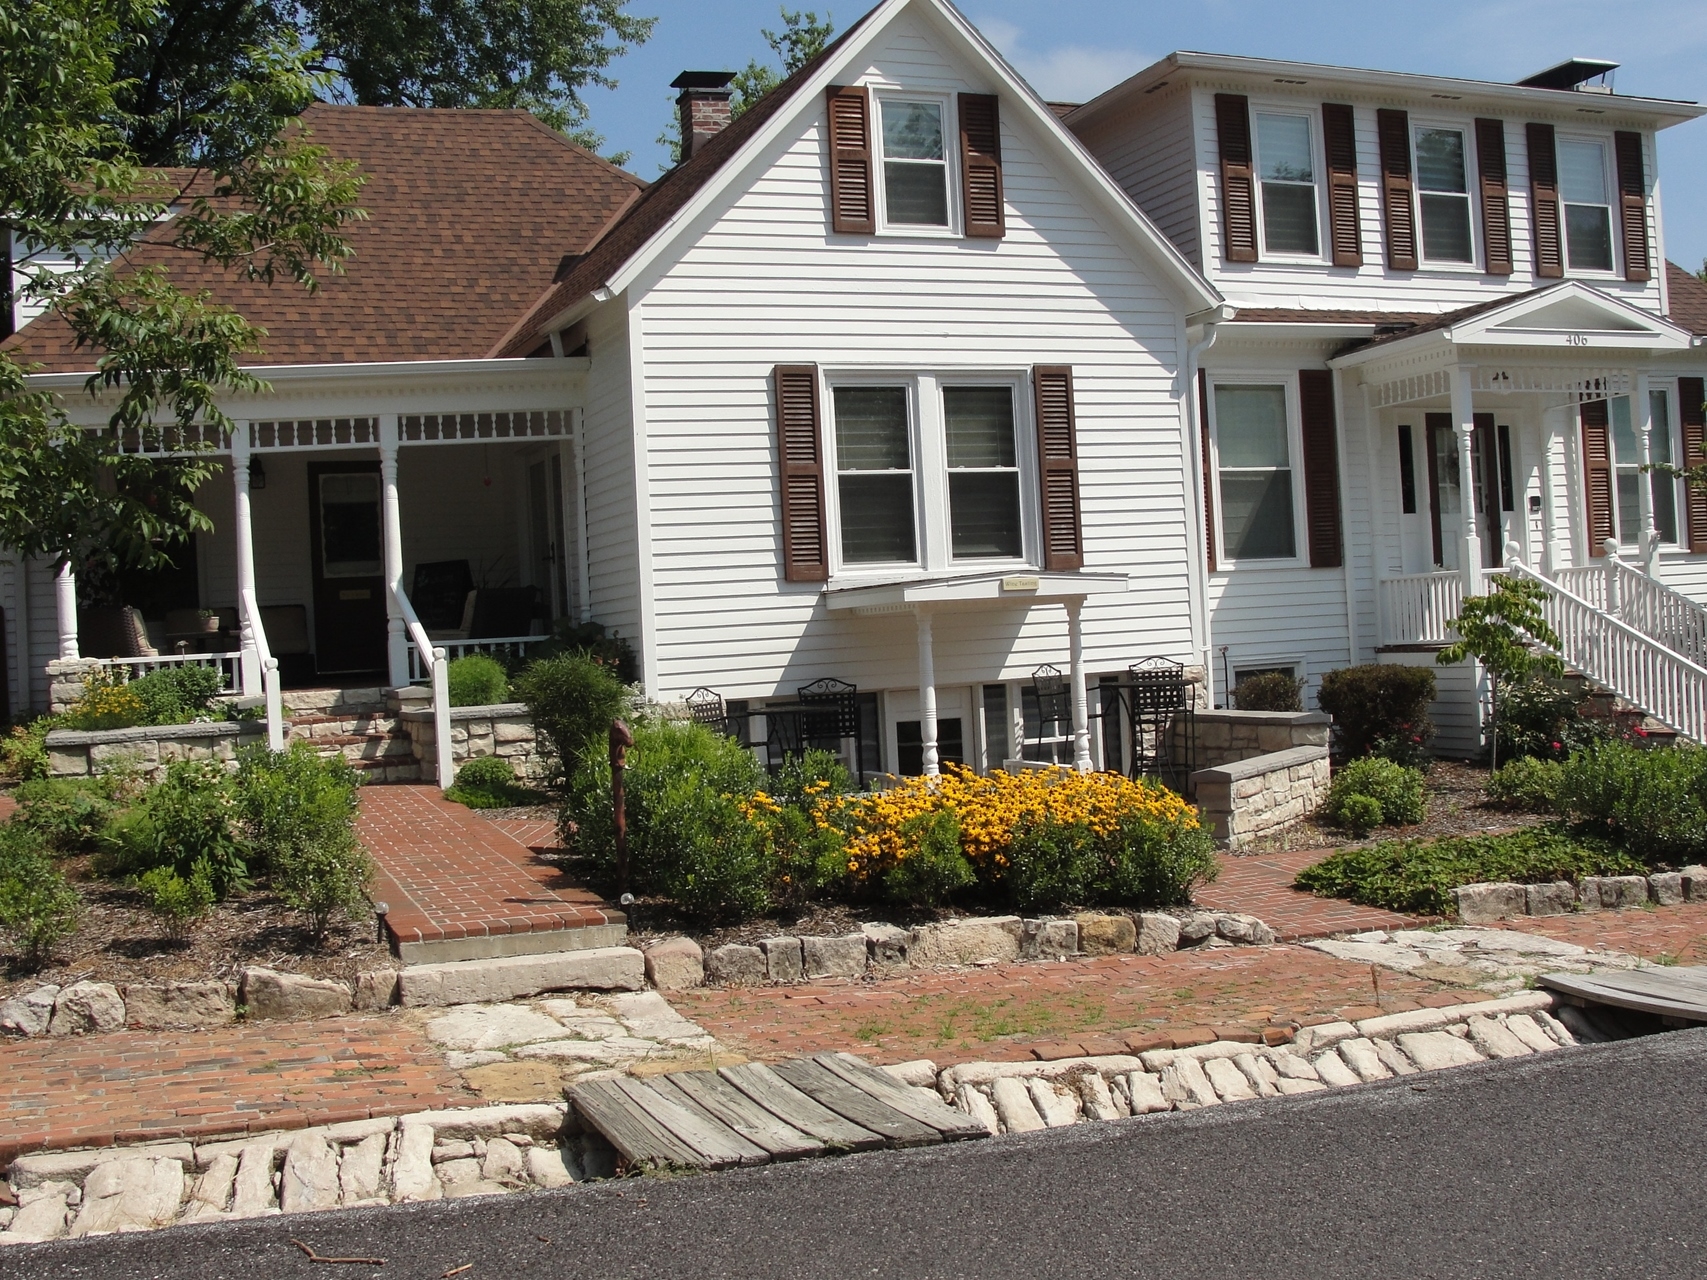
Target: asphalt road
[{"x": 1576, "y": 1164}]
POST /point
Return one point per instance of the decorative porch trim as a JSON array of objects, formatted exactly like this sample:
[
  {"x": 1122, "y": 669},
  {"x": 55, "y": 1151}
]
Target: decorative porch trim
[{"x": 1578, "y": 384}]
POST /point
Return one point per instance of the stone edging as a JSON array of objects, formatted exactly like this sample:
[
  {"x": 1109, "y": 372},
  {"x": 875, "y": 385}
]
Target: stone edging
[{"x": 1495, "y": 900}]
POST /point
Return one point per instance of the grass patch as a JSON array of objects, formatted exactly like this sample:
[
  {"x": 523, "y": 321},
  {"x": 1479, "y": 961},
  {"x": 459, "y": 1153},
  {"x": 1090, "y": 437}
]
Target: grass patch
[{"x": 1419, "y": 876}]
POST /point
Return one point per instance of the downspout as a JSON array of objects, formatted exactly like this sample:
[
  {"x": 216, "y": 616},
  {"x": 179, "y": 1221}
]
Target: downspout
[{"x": 1208, "y": 325}]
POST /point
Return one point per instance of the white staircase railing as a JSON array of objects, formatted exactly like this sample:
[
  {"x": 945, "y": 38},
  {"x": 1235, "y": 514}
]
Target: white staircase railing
[
  {"x": 257, "y": 654},
  {"x": 1618, "y": 657},
  {"x": 434, "y": 660},
  {"x": 1654, "y": 609}
]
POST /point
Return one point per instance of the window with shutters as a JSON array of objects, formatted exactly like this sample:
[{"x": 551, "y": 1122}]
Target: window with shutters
[
  {"x": 875, "y": 476},
  {"x": 1256, "y": 442},
  {"x": 983, "y": 473},
  {"x": 1443, "y": 195},
  {"x": 1286, "y": 165},
  {"x": 1584, "y": 191},
  {"x": 915, "y": 174},
  {"x": 1627, "y": 459}
]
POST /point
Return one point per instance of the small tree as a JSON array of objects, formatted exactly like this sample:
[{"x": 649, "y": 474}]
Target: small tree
[{"x": 1505, "y": 631}]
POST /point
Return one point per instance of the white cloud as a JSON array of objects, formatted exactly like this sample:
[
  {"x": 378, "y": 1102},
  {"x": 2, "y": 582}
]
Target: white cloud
[{"x": 1064, "y": 73}]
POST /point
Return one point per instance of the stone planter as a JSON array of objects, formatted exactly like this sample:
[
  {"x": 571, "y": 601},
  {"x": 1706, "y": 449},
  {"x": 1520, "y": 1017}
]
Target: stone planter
[
  {"x": 502, "y": 729},
  {"x": 73, "y": 753},
  {"x": 1248, "y": 798}
]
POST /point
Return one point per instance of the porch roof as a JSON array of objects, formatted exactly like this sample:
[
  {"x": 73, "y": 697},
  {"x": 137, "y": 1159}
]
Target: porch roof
[{"x": 1022, "y": 587}]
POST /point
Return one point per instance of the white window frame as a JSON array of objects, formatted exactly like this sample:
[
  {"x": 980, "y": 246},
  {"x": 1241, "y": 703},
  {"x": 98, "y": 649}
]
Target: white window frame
[
  {"x": 1318, "y": 166},
  {"x": 950, "y": 163},
  {"x": 1672, "y": 428},
  {"x": 1467, "y": 133},
  {"x": 1609, "y": 181},
  {"x": 1288, "y": 380},
  {"x": 927, "y": 434}
]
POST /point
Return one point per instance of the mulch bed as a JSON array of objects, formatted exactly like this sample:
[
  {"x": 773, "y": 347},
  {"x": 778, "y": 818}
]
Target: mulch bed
[{"x": 118, "y": 940}]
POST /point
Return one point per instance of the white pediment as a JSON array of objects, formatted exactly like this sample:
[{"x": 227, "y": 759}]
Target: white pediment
[
  {"x": 1573, "y": 314},
  {"x": 1570, "y": 315}
]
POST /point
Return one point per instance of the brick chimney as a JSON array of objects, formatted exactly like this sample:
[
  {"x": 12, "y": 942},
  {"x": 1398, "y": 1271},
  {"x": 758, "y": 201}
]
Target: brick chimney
[{"x": 704, "y": 106}]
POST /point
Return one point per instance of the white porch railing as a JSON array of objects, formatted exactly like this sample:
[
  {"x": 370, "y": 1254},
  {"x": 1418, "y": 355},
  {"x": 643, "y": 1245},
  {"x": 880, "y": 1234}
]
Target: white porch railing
[
  {"x": 1614, "y": 654},
  {"x": 229, "y": 666},
  {"x": 249, "y": 617},
  {"x": 1416, "y": 607},
  {"x": 1654, "y": 609},
  {"x": 425, "y": 656},
  {"x": 512, "y": 647}
]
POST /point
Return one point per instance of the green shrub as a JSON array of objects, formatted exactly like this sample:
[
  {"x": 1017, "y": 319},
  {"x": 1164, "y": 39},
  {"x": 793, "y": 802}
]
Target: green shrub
[
  {"x": 291, "y": 802},
  {"x": 65, "y": 813},
  {"x": 1269, "y": 691},
  {"x": 1399, "y": 794},
  {"x": 477, "y": 681},
  {"x": 1380, "y": 708},
  {"x": 179, "y": 901},
  {"x": 38, "y": 908},
  {"x": 187, "y": 820},
  {"x": 934, "y": 871},
  {"x": 690, "y": 836},
  {"x": 1542, "y": 718},
  {"x": 488, "y": 782},
  {"x": 1145, "y": 862},
  {"x": 1418, "y": 876},
  {"x": 1157, "y": 862},
  {"x": 1650, "y": 802},
  {"x": 799, "y": 824},
  {"x": 1051, "y": 864},
  {"x": 177, "y": 694},
  {"x": 1527, "y": 783},
  {"x": 322, "y": 878},
  {"x": 589, "y": 639},
  {"x": 572, "y": 699},
  {"x": 23, "y": 751}
]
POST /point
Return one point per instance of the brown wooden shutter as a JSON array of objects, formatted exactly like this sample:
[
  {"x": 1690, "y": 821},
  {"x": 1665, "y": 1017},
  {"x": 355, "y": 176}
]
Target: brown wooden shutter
[
  {"x": 1321, "y": 468},
  {"x": 1339, "y": 138},
  {"x": 1058, "y": 465},
  {"x": 1238, "y": 176},
  {"x": 800, "y": 451},
  {"x": 1496, "y": 205},
  {"x": 1434, "y": 424},
  {"x": 1208, "y": 469},
  {"x": 1633, "y": 204},
  {"x": 981, "y": 166},
  {"x": 1597, "y": 475},
  {"x": 1544, "y": 201},
  {"x": 1690, "y": 394},
  {"x": 852, "y": 207},
  {"x": 1394, "y": 130}
]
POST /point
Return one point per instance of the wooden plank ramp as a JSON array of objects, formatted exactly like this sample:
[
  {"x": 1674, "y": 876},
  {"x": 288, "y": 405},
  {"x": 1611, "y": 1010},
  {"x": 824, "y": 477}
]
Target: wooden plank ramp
[
  {"x": 1679, "y": 992},
  {"x": 753, "y": 1113}
]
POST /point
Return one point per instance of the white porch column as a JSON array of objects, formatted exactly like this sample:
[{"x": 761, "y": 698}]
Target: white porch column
[
  {"x": 1464, "y": 423},
  {"x": 396, "y": 639},
  {"x": 1076, "y": 677},
  {"x": 927, "y": 693},
  {"x": 250, "y": 663},
  {"x": 1642, "y": 418},
  {"x": 65, "y": 599}
]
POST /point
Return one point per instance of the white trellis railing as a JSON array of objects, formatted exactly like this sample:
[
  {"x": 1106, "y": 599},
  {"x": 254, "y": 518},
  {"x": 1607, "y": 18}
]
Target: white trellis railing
[
  {"x": 1416, "y": 606},
  {"x": 427, "y": 656},
  {"x": 1615, "y": 655}
]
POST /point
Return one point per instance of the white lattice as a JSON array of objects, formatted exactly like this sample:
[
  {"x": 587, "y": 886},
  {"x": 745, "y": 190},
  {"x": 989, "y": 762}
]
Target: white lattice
[
  {"x": 309, "y": 433},
  {"x": 457, "y": 428}
]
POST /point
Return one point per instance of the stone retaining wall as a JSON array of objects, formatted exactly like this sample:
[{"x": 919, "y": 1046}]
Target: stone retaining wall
[
  {"x": 1480, "y": 903},
  {"x": 1249, "y": 798},
  {"x": 503, "y": 730},
  {"x": 75, "y": 753},
  {"x": 1223, "y": 737}
]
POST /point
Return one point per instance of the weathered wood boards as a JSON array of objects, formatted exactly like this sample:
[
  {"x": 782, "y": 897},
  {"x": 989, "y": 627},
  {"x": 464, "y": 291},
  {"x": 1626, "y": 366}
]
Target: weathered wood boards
[
  {"x": 1669, "y": 993},
  {"x": 751, "y": 1114}
]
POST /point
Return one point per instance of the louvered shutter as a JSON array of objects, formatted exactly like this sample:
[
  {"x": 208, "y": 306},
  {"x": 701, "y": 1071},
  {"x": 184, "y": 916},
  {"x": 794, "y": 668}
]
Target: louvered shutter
[
  {"x": 1321, "y": 468},
  {"x": 1597, "y": 476},
  {"x": 1633, "y": 204},
  {"x": 1238, "y": 176},
  {"x": 1544, "y": 201},
  {"x": 1690, "y": 394},
  {"x": 1397, "y": 209},
  {"x": 1339, "y": 138},
  {"x": 1496, "y": 206},
  {"x": 1058, "y": 467},
  {"x": 1208, "y": 469},
  {"x": 852, "y": 203},
  {"x": 800, "y": 451},
  {"x": 981, "y": 166}
]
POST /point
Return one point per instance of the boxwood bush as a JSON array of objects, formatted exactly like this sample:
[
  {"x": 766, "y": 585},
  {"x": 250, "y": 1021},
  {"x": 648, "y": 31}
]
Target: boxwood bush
[
  {"x": 1381, "y": 709},
  {"x": 1373, "y": 792},
  {"x": 1270, "y": 691},
  {"x": 1651, "y": 802},
  {"x": 477, "y": 680},
  {"x": 572, "y": 699}
]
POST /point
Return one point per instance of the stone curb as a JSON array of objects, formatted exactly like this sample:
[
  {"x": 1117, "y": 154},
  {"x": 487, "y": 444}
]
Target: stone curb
[{"x": 1497, "y": 900}]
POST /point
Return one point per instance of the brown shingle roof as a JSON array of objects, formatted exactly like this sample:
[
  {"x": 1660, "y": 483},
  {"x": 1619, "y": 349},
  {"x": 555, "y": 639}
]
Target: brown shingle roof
[
  {"x": 1687, "y": 295},
  {"x": 469, "y": 214},
  {"x": 1300, "y": 315}
]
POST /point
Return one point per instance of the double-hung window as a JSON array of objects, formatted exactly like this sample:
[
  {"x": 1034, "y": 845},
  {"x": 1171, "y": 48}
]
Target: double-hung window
[
  {"x": 983, "y": 473},
  {"x": 1588, "y": 209},
  {"x": 1287, "y": 163},
  {"x": 1626, "y": 461},
  {"x": 915, "y": 163},
  {"x": 1253, "y": 441},
  {"x": 874, "y": 476},
  {"x": 1443, "y": 192}
]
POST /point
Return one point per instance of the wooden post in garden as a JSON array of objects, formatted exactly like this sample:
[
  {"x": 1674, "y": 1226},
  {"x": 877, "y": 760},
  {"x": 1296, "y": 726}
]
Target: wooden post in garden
[{"x": 620, "y": 741}]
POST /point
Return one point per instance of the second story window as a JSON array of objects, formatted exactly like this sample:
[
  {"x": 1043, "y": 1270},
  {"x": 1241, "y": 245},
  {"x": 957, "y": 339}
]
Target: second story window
[
  {"x": 1444, "y": 196},
  {"x": 1588, "y": 212},
  {"x": 915, "y": 165},
  {"x": 1288, "y": 184}
]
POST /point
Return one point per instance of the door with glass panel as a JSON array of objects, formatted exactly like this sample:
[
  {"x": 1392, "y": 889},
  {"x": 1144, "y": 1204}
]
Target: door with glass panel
[
  {"x": 348, "y": 568},
  {"x": 1493, "y": 494}
]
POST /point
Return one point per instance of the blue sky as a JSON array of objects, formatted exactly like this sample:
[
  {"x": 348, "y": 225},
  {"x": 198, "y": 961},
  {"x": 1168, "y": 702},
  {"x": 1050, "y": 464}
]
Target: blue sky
[{"x": 1074, "y": 49}]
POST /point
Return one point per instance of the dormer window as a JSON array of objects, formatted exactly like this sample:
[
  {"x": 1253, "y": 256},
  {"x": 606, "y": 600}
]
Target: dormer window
[
  {"x": 1444, "y": 196},
  {"x": 915, "y": 163},
  {"x": 1588, "y": 211},
  {"x": 1288, "y": 169}
]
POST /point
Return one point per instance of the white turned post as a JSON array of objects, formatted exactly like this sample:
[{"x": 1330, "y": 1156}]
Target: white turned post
[
  {"x": 249, "y": 661},
  {"x": 396, "y": 639},
  {"x": 1614, "y": 594},
  {"x": 1642, "y": 418},
  {"x": 1076, "y": 675},
  {"x": 1464, "y": 423},
  {"x": 927, "y": 694},
  {"x": 65, "y": 600}
]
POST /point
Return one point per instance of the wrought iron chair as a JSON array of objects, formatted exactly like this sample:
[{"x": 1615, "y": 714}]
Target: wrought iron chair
[
  {"x": 706, "y": 707},
  {"x": 1161, "y": 720},
  {"x": 840, "y": 720}
]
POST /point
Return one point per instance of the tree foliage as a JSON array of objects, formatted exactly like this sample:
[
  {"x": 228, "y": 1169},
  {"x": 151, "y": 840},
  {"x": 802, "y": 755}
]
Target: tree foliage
[
  {"x": 1508, "y": 633},
  {"x": 263, "y": 202}
]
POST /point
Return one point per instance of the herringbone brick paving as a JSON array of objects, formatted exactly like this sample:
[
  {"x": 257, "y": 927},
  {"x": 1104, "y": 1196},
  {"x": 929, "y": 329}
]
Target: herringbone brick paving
[{"x": 1261, "y": 885}]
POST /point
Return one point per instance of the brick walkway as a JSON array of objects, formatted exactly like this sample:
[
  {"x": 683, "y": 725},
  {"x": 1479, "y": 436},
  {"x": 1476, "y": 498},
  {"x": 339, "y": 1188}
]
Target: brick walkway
[
  {"x": 448, "y": 873},
  {"x": 141, "y": 1086},
  {"x": 1262, "y": 886},
  {"x": 1677, "y": 934}
]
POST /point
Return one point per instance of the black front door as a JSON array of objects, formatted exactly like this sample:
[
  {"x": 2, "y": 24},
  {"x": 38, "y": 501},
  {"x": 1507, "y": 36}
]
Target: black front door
[{"x": 345, "y": 524}]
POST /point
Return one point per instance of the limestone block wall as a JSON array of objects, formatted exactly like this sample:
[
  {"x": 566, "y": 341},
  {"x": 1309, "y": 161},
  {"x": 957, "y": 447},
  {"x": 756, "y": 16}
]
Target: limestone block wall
[
  {"x": 1245, "y": 799},
  {"x": 502, "y": 730},
  {"x": 150, "y": 748},
  {"x": 65, "y": 678},
  {"x": 1223, "y": 737}
]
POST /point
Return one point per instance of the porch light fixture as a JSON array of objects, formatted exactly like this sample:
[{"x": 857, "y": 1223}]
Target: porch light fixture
[{"x": 257, "y": 474}]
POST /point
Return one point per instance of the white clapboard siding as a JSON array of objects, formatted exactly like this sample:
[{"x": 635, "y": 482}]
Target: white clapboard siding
[
  {"x": 612, "y": 537},
  {"x": 1264, "y": 616},
  {"x": 1152, "y": 155},
  {"x": 766, "y": 284}
]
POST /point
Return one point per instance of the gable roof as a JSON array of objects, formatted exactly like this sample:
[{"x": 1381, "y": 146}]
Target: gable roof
[
  {"x": 647, "y": 229},
  {"x": 469, "y": 215},
  {"x": 1686, "y": 293}
]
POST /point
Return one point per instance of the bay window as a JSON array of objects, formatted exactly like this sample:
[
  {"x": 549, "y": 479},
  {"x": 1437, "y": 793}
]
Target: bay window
[
  {"x": 1443, "y": 194},
  {"x": 1286, "y": 161},
  {"x": 1253, "y": 440},
  {"x": 1588, "y": 208}
]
